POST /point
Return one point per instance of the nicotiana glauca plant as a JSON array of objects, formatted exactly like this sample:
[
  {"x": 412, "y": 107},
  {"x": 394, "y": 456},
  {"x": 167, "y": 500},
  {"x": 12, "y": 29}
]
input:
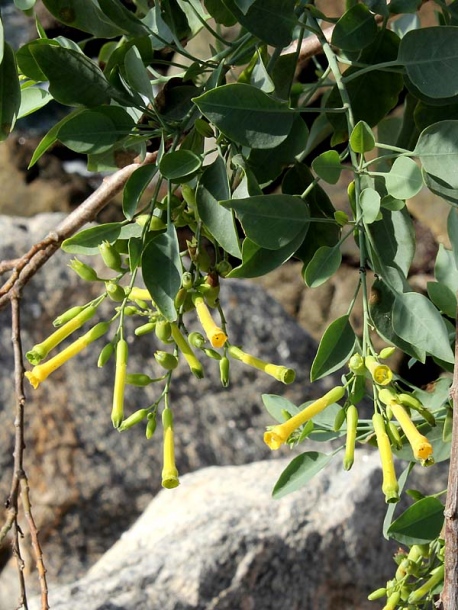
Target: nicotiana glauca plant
[{"x": 234, "y": 148}]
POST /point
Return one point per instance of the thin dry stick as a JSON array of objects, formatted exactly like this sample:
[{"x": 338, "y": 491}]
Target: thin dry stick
[
  {"x": 449, "y": 597},
  {"x": 37, "y": 256}
]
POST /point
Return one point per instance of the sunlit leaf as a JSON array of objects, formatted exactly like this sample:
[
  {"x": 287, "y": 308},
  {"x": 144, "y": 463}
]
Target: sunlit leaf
[
  {"x": 299, "y": 472},
  {"x": 420, "y": 523},
  {"x": 336, "y": 347}
]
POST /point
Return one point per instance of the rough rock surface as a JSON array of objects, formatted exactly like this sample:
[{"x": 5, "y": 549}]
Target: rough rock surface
[
  {"x": 220, "y": 542},
  {"x": 89, "y": 482}
]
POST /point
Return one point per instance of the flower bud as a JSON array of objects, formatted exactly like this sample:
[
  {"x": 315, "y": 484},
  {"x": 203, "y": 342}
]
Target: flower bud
[
  {"x": 390, "y": 485},
  {"x": 339, "y": 419},
  {"x": 163, "y": 331},
  {"x": 84, "y": 271},
  {"x": 157, "y": 224},
  {"x": 151, "y": 425},
  {"x": 223, "y": 268},
  {"x": 224, "y": 371},
  {"x": 386, "y": 352},
  {"x": 115, "y": 291},
  {"x": 352, "y": 426},
  {"x": 211, "y": 353},
  {"x": 169, "y": 470},
  {"x": 196, "y": 339},
  {"x": 356, "y": 365},
  {"x": 117, "y": 412},
  {"x": 380, "y": 373},
  {"x": 133, "y": 419},
  {"x": 166, "y": 360},
  {"x": 105, "y": 355},
  {"x": 67, "y": 315},
  {"x": 378, "y": 594},
  {"x": 138, "y": 379},
  {"x": 110, "y": 256},
  {"x": 187, "y": 280},
  {"x": 144, "y": 329}
]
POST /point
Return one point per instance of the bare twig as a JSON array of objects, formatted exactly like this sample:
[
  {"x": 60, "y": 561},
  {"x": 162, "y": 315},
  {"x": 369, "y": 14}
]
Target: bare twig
[
  {"x": 37, "y": 256},
  {"x": 449, "y": 597}
]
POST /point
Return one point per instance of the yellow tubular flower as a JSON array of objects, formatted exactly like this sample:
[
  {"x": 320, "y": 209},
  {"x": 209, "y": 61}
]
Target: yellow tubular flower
[
  {"x": 421, "y": 447},
  {"x": 380, "y": 373},
  {"x": 215, "y": 334},
  {"x": 169, "y": 470},
  {"x": 277, "y": 435},
  {"x": 41, "y": 350},
  {"x": 40, "y": 372},
  {"x": 281, "y": 373},
  {"x": 390, "y": 485},
  {"x": 117, "y": 412},
  {"x": 185, "y": 349},
  {"x": 140, "y": 293}
]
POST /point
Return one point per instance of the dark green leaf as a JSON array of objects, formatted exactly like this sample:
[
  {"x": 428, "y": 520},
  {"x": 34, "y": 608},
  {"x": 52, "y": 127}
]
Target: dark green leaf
[
  {"x": 325, "y": 262},
  {"x": 88, "y": 240},
  {"x": 397, "y": 7},
  {"x": 135, "y": 187},
  {"x": 437, "y": 148},
  {"x": 374, "y": 93},
  {"x": 267, "y": 164},
  {"x": 441, "y": 188},
  {"x": 220, "y": 13},
  {"x": 271, "y": 221},
  {"x": 427, "y": 114},
  {"x": 327, "y": 166},
  {"x": 270, "y": 20},
  {"x": 362, "y": 139},
  {"x": 180, "y": 165},
  {"x": 420, "y": 523},
  {"x": 443, "y": 298},
  {"x": 10, "y": 92},
  {"x": 336, "y": 347},
  {"x": 417, "y": 321},
  {"x": 434, "y": 73},
  {"x": 258, "y": 261},
  {"x": 275, "y": 406},
  {"x": 404, "y": 180},
  {"x": 299, "y": 472},
  {"x": 136, "y": 73},
  {"x": 381, "y": 310},
  {"x": 51, "y": 137},
  {"x": 27, "y": 63},
  {"x": 116, "y": 13},
  {"x": 214, "y": 187},
  {"x": 355, "y": 29},
  {"x": 245, "y": 114},
  {"x": 392, "y": 506},
  {"x": 162, "y": 270},
  {"x": 83, "y": 15},
  {"x": 73, "y": 78}
]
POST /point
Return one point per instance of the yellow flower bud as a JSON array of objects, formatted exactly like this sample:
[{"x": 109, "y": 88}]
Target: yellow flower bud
[
  {"x": 169, "y": 470},
  {"x": 390, "y": 485},
  {"x": 185, "y": 349},
  {"x": 117, "y": 412},
  {"x": 133, "y": 419},
  {"x": 380, "y": 373},
  {"x": 215, "y": 334},
  {"x": 281, "y": 373},
  {"x": 40, "y": 372},
  {"x": 352, "y": 425},
  {"x": 140, "y": 294},
  {"x": 277, "y": 435},
  {"x": 436, "y": 578}
]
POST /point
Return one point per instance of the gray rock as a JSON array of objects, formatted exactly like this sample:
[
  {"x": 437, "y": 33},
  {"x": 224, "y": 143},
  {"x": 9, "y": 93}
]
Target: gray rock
[
  {"x": 220, "y": 542},
  {"x": 88, "y": 482}
]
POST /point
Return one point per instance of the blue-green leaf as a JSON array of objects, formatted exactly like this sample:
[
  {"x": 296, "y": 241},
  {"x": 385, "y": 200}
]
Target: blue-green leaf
[
  {"x": 135, "y": 187},
  {"x": 299, "y": 472},
  {"x": 336, "y": 347}
]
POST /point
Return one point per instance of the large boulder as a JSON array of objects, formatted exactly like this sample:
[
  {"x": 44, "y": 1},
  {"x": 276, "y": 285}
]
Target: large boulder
[
  {"x": 220, "y": 542},
  {"x": 88, "y": 482}
]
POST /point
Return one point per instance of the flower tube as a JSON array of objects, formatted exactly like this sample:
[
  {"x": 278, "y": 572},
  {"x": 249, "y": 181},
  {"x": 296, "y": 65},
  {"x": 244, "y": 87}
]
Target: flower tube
[
  {"x": 390, "y": 485},
  {"x": 277, "y": 435},
  {"x": 281, "y": 373},
  {"x": 185, "y": 349},
  {"x": 40, "y": 372},
  {"x": 215, "y": 334},
  {"x": 117, "y": 412},
  {"x": 169, "y": 469}
]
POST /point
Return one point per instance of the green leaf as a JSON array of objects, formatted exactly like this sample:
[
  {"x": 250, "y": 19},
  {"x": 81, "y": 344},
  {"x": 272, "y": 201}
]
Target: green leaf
[
  {"x": 88, "y": 240},
  {"x": 275, "y": 406},
  {"x": 73, "y": 78},
  {"x": 299, "y": 472},
  {"x": 267, "y": 164},
  {"x": 214, "y": 187},
  {"x": 452, "y": 230},
  {"x": 327, "y": 166},
  {"x": 162, "y": 270},
  {"x": 437, "y": 148},
  {"x": 443, "y": 298},
  {"x": 24, "y": 5},
  {"x": 441, "y": 189},
  {"x": 355, "y": 29},
  {"x": 137, "y": 74},
  {"x": 246, "y": 115},
  {"x": 417, "y": 321},
  {"x": 336, "y": 347},
  {"x": 393, "y": 238},
  {"x": 95, "y": 131},
  {"x": 370, "y": 205},
  {"x": 32, "y": 99},
  {"x": 427, "y": 114},
  {"x": 362, "y": 138},
  {"x": 430, "y": 56},
  {"x": 10, "y": 92},
  {"x": 404, "y": 180},
  {"x": 271, "y": 221},
  {"x": 180, "y": 165},
  {"x": 135, "y": 187},
  {"x": 372, "y": 94},
  {"x": 220, "y": 13},
  {"x": 83, "y": 15},
  {"x": 270, "y": 20},
  {"x": 420, "y": 523},
  {"x": 445, "y": 270},
  {"x": 381, "y": 310},
  {"x": 390, "y": 203},
  {"x": 116, "y": 13},
  {"x": 258, "y": 261},
  {"x": 325, "y": 262}
]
